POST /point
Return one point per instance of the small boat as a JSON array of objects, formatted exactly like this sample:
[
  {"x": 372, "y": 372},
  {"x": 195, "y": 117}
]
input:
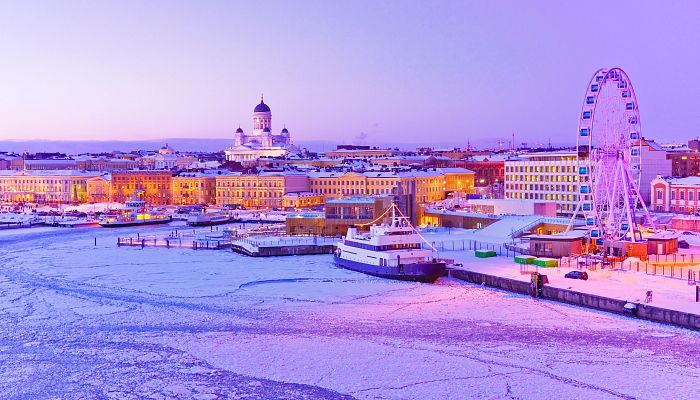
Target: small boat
[
  {"x": 209, "y": 219},
  {"x": 390, "y": 251},
  {"x": 135, "y": 213}
]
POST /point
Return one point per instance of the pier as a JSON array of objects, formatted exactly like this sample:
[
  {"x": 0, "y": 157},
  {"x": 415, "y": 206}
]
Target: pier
[{"x": 271, "y": 246}]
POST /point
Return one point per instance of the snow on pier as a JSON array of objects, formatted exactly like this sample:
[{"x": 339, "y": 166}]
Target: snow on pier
[{"x": 268, "y": 246}]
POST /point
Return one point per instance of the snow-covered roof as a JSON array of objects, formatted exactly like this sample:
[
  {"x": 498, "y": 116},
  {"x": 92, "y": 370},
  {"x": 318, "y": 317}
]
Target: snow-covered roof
[
  {"x": 295, "y": 195},
  {"x": 689, "y": 181},
  {"x": 554, "y": 153},
  {"x": 363, "y": 200},
  {"x": 453, "y": 170},
  {"x": 50, "y": 172}
]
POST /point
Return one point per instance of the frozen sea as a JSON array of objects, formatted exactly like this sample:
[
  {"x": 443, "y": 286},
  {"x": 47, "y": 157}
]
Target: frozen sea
[{"x": 84, "y": 321}]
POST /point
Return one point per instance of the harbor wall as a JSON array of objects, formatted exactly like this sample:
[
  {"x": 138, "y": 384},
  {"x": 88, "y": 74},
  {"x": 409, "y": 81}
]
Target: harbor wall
[{"x": 643, "y": 311}]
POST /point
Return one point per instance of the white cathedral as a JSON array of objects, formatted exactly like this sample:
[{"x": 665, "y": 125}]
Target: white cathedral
[{"x": 262, "y": 142}]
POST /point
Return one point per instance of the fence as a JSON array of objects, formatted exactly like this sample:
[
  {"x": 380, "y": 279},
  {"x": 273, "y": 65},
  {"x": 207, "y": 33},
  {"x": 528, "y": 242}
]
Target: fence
[
  {"x": 288, "y": 241},
  {"x": 691, "y": 273},
  {"x": 456, "y": 245},
  {"x": 675, "y": 259},
  {"x": 175, "y": 243}
]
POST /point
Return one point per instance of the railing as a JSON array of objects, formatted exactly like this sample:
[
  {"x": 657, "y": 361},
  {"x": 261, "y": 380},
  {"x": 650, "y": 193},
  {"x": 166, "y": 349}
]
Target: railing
[
  {"x": 196, "y": 244},
  {"x": 287, "y": 241},
  {"x": 517, "y": 249},
  {"x": 543, "y": 220},
  {"x": 463, "y": 245},
  {"x": 691, "y": 273}
]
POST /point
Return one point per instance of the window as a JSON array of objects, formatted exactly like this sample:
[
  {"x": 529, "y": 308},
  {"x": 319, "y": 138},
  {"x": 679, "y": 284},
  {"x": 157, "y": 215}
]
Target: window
[
  {"x": 659, "y": 194},
  {"x": 673, "y": 194},
  {"x": 682, "y": 195}
]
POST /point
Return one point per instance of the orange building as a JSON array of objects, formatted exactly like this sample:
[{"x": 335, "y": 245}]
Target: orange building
[
  {"x": 157, "y": 186},
  {"x": 194, "y": 188},
  {"x": 458, "y": 180}
]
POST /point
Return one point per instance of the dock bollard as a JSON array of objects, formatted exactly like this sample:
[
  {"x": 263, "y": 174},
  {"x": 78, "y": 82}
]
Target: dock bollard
[{"x": 96, "y": 240}]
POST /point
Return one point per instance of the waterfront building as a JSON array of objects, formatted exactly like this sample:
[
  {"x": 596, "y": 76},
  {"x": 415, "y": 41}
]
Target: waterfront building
[
  {"x": 339, "y": 214},
  {"x": 458, "y": 180},
  {"x": 264, "y": 190},
  {"x": 302, "y": 200},
  {"x": 99, "y": 189},
  {"x": 675, "y": 194},
  {"x": 546, "y": 176},
  {"x": 97, "y": 163},
  {"x": 488, "y": 170},
  {"x": 261, "y": 142},
  {"x": 424, "y": 186},
  {"x": 157, "y": 186},
  {"x": 45, "y": 186},
  {"x": 684, "y": 163},
  {"x": 655, "y": 161},
  {"x": 51, "y": 164},
  {"x": 190, "y": 188}
]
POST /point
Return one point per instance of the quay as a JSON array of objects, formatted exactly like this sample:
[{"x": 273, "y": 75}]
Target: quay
[
  {"x": 271, "y": 246},
  {"x": 596, "y": 302}
]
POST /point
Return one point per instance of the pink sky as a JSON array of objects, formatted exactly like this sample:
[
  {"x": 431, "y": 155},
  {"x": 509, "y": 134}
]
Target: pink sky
[{"x": 399, "y": 71}]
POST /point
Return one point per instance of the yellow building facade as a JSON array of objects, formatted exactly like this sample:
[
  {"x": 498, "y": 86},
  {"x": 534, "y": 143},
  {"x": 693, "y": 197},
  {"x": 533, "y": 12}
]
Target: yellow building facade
[
  {"x": 258, "y": 191},
  {"x": 426, "y": 185},
  {"x": 45, "y": 187},
  {"x": 194, "y": 188}
]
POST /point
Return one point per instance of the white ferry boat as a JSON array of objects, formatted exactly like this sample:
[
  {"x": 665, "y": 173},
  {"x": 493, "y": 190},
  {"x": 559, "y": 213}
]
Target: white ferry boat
[
  {"x": 209, "y": 218},
  {"x": 134, "y": 213},
  {"x": 389, "y": 251}
]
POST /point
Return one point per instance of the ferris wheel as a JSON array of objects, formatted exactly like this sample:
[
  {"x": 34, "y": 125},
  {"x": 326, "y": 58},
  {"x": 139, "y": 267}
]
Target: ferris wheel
[{"x": 609, "y": 158}]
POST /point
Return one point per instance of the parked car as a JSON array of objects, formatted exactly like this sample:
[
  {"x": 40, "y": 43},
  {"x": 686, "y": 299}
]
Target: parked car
[
  {"x": 682, "y": 244},
  {"x": 583, "y": 275}
]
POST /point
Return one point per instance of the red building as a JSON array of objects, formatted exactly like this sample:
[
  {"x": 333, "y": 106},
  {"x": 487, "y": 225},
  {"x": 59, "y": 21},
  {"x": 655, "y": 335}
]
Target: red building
[{"x": 487, "y": 171}]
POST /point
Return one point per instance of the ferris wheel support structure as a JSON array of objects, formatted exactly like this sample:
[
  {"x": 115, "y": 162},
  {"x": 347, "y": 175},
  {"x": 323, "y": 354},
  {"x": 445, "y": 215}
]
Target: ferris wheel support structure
[{"x": 609, "y": 156}]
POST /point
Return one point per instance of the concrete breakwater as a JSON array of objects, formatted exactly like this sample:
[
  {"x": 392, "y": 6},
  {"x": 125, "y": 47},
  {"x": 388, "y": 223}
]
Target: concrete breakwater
[{"x": 643, "y": 311}]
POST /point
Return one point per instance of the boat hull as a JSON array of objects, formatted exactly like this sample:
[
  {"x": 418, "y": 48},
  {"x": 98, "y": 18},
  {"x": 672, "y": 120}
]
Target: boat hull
[
  {"x": 210, "y": 223},
  {"x": 133, "y": 223},
  {"x": 416, "y": 272}
]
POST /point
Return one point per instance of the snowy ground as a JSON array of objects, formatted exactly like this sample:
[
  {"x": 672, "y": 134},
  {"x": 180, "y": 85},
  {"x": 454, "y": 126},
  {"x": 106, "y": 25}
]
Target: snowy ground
[
  {"x": 83, "y": 321},
  {"x": 671, "y": 293}
]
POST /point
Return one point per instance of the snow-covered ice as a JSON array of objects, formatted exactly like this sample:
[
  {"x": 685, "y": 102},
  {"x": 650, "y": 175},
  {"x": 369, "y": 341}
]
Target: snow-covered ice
[{"x": 85, "y": 321}]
